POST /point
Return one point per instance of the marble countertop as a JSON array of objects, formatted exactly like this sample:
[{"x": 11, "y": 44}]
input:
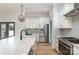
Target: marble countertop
[{"x": 12, "y": 46}]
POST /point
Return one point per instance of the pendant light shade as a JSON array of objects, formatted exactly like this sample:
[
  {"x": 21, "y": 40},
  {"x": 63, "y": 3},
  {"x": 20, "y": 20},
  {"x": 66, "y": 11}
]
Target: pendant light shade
[{"x": 21, "y": 17}]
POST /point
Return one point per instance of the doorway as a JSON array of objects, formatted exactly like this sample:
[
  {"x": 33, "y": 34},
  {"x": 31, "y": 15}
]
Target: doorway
[{"x": 7, "y": 29}]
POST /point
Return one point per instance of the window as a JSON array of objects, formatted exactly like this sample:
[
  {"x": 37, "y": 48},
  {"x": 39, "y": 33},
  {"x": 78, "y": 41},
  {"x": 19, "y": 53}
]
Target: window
[{"x": 7, "y": 29}]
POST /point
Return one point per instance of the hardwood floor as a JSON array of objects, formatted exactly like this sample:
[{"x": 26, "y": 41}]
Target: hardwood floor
[{"x": 44, "y": 49}]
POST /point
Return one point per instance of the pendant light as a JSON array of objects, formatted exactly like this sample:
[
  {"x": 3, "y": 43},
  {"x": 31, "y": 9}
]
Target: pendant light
[{"x": 21, "y": 17}]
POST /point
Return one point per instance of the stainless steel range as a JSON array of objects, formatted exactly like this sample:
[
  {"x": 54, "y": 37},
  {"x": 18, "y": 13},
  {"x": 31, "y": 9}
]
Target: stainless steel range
[{"x": 66, "y": 45}]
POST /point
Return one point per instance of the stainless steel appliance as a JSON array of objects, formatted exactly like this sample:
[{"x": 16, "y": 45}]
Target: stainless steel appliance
[
  {"x": 66, "y": 45},
  {"x": 46, "y": 32}
]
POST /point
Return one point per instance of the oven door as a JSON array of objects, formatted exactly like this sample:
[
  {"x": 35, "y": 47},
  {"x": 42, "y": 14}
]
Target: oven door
[{"x": 64, "y": 48}]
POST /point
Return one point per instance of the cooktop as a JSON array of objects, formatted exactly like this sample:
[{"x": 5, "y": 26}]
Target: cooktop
[
  {"x": 75, "y": 41},
  {"x": 72, "y": 40}
]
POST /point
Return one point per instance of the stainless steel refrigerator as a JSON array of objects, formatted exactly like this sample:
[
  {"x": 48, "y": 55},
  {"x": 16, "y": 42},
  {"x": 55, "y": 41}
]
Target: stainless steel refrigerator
[{"x": 46, "y": 32}]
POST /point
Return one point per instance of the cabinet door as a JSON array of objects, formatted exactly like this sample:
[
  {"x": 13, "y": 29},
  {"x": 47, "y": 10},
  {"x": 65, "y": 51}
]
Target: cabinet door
[
  {"x": 76, "y": 50},
  {"x": 65, "y": 22},
  {"x": 68, "y": 7}
]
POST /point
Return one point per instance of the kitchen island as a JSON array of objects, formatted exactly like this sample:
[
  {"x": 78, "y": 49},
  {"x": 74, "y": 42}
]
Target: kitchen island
[{"x": 12, "y": 46}]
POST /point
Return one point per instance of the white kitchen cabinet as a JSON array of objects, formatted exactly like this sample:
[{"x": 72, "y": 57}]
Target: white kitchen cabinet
[
  {"x": 76, "y": 50},
  {"x": 68, "y": 7},
  {"x": 56, "y": 44},
  {"x": 64, "y": 22},
  {"x": 71, "y": 10}
]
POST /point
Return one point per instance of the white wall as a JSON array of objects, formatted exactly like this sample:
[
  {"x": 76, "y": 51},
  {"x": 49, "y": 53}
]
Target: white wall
[
  {"x": 71, "y": 22},
  {"x": 57, "y": 19},
  {"x": 30, "y": 22},
  {"x": 55, "y": 23}
]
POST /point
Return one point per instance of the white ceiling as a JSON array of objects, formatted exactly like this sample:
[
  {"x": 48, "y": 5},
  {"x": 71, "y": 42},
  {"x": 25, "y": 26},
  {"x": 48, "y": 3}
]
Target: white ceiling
[
  {"x": 33, "y": 9},
  {"x": 38, "y": 7},
  {"x": 29, "y": 7}
]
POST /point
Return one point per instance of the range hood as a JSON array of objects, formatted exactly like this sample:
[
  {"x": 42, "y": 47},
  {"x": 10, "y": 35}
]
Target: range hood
[{"x": 73, "y": 12}]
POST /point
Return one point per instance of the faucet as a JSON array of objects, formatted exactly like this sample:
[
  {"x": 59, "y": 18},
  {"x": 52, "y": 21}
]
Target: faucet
[{"x": 21, "y": 33}]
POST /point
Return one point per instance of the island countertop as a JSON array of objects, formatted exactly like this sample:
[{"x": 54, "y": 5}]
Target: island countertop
[{"x": 12, "y": 46}]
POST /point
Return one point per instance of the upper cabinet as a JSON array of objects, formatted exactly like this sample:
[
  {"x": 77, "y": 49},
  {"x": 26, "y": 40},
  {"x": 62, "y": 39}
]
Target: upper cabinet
[
  {"x": 65, "y": 22},
  {"x": 60, "y": 21},
  {"x": 68, "y": 7},
  {"x": 71, "y": 9}
]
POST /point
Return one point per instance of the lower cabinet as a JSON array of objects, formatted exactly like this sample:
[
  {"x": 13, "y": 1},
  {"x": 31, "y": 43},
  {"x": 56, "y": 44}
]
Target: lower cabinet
[
  {"x": 31, "y": 51},
  {"x": 76, "y": 50}
]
